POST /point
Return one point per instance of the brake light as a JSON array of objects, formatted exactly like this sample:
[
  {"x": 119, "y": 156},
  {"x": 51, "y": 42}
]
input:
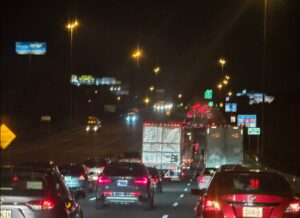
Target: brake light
[
  {"x": 293, "y": 207},
  {"x": 201, "y": 179},
  {"x": 81, "y": 177},
  {"x": 107, "y": 194},
  {"x": 15, "y": 179},
  {"x": 210, "y": 205},
  {"x": 135, "y": 194},
  {"x": 141, "y": 181},
  {"x": 41, "y": 205},
  {"x": 102, "y": 180}
]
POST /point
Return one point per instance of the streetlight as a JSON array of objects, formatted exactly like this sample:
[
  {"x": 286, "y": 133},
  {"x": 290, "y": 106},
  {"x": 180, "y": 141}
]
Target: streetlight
[
  {"x": 220, "y": 86},
  {"x": 71, "y": 26},
  {"x": 137, "y": 54},
  {"x": 222, "y": 61},
  {"x": 156, "y": 70},
  {"x": 146, "y": 100},
  {"x": 179, "y": 95},
  {"x": 229, "y": 93},
  {"x": 151, "y": 88},
  {"x": 225, "y": 82}
]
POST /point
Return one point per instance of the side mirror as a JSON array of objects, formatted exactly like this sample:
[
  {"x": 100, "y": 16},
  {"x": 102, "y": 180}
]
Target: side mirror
[
  {"x": 198, "y": 192},
  {"x": 79, "y": 194}
]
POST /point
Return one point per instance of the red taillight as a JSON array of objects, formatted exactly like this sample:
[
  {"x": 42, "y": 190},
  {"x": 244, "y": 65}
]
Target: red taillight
[
  {"x": 141, "y": 181},
  {"x": 293, "y": 207},
  {"x": 201, "y": 179},
  {"x": 107, "y": 194},
  {"x": 135, "y": 194},
  {"x": 211, "y": 205},
  {"x": 81, "y": 177},
  {"x": 41, "y": 205},
  {"x": 102, "y": 180},
  {"x": 15, "y": 179}
]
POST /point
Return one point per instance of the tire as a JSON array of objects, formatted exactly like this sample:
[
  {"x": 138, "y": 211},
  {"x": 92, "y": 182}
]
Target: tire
[
  {"x": 159, "y": 188},
  {"x": 99, "y": 204}
]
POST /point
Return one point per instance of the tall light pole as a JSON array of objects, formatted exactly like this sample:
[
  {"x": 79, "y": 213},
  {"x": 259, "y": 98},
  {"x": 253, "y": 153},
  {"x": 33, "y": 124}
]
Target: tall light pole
[
  {"x": 71, "y": 26},
  {"x": 137, "y": 54},
  {"x": 261, "y": 149}
]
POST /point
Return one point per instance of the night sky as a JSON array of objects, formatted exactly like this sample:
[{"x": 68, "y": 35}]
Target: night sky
[{"x": 184, "y": 38}]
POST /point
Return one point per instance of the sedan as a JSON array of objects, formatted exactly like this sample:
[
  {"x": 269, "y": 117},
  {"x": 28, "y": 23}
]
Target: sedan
[
  {"x": 247, "y": 193},
  {"x": 36, "y": 192}
]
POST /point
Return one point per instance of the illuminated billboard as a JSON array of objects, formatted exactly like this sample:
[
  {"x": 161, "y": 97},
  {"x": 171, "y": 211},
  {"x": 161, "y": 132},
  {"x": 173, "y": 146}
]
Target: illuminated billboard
[
  {"x": 31, "y": 48},
  {"x": 91, "y": 80},
  {"x": 246, "y": 120},
  {"x": 230, "y": 107}
]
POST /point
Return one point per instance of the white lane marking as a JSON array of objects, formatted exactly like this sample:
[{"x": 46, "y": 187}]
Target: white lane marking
[
  {"x": 92, "y": 199},
  {"x": 188, "y": 184},
  {"x": 165, "y": 216},
  {"x": 182, "y": 195},
  {"x": 175, "y": 204},
  {"x": 186, "y": 189}
]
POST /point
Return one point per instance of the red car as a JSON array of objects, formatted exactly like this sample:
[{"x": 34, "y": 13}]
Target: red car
[{"x": 247, "y": 193}]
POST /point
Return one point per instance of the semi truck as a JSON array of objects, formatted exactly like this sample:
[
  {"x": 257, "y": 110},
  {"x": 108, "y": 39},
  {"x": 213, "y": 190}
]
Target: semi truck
[
  {"x": 224, "y": 145},
  {"x": 162, "y": 147}
]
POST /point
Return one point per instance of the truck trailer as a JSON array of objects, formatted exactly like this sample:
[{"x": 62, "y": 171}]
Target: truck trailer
[{"x": 162, "y": 147}]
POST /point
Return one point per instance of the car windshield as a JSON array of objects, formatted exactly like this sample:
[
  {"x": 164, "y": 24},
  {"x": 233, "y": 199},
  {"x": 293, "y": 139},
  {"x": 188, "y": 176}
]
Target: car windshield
[
  {"x": 73, "y": 170},
  {"x": 251, "y": 183},
  {"x": 18, "y": 183},
  {"x": 125, "y": 170}
]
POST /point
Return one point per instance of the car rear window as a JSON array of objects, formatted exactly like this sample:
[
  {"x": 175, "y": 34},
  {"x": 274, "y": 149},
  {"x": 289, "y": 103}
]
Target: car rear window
[
  {"x": 252, "y": 183},
  {"x": 71, "y": 170},
  {"x": 125, "y": 170},
  {"x": 18, "y": 183}
]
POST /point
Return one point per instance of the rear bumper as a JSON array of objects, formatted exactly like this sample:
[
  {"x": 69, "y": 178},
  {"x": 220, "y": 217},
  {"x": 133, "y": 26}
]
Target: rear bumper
[{"x": 119, "y": 199}]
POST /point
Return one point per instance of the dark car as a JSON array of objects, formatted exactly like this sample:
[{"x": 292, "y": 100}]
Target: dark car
[
  {"x": 125, "y": 183},
  {"x": 248, "y": 193},
  {"x": 94, "y": 167},
  {"x": 156, "y": 178},
  {"x": 44, "y": 164},
  {"x": 36, "y": 192},
  {"x": 75, "y": 177}
]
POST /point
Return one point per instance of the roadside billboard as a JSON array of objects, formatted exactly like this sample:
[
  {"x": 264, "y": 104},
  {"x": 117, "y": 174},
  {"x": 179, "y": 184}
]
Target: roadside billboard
[{"x": 31, "y": 48}]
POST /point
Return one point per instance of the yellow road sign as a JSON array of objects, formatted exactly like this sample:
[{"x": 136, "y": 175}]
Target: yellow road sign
[{"x": 6, "y": 136}]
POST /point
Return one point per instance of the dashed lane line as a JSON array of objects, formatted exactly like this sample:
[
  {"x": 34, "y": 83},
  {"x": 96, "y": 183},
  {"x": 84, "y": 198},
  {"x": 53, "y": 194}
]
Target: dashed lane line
[
  {"x": 181, "y": 196},
  {"x": 175, "y": 204},
  {"x": 165, "y": 216},
  {"x": 92, "y": 199}
]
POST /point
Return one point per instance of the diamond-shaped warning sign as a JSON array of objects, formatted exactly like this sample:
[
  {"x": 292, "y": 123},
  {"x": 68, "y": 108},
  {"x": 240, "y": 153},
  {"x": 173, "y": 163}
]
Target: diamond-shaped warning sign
[{"x": 6, "y": 136}]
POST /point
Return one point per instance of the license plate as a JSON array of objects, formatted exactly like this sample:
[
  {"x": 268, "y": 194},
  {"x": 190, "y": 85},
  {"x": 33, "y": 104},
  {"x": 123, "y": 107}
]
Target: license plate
[
  {"x": 95, "y": 177},
  {"x": 5, "y": 213},
  {"x": 122, "y": 182},
  {"x": 252, "y": 212},
  {"x": 68, "y": 177}
]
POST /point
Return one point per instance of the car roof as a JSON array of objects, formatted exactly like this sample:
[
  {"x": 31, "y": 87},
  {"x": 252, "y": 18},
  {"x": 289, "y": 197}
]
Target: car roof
[
  {"x": 26, "y": 169},
  {"x": 39, "y": 163}
]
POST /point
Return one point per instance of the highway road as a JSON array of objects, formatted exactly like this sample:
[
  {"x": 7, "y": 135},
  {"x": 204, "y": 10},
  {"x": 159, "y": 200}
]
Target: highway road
[
  {"x": 76, "y": 145},
  {"x": 175, "y": 201}
]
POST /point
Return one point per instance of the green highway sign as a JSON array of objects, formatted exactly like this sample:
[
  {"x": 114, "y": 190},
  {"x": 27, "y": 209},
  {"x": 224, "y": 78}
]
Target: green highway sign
[
  {"x": 253, "y": 131},
  {"x": 208, "y": 94}
]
